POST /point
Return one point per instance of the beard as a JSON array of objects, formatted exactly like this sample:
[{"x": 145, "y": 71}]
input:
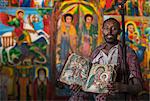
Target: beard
[{"x": 42, "y": 77}]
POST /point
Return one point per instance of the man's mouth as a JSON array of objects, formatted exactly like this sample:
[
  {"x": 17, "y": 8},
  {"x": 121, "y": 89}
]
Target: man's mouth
[{"x": 109, "y": 36}]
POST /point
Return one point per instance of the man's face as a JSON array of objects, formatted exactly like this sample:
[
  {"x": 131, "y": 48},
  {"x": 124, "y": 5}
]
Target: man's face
[
  {"x": 68, "y": 19},
  {"x": 88, "y": 19},
  {"x": 110, "y": 31}
]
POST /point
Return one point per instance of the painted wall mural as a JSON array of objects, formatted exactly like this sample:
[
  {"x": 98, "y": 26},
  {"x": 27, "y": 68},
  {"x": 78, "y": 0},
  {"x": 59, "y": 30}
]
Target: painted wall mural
[
  {"x": 37, "y": 36},
  {"x": 77, "y": 31},
  {"x": 24, "y": 49}
]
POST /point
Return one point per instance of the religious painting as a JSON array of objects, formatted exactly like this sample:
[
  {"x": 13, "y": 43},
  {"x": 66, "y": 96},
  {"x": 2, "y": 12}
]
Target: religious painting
[
  {"x": 132, "y": 7},
  {"x": 9, "y": 3},
  {"x": 36, "y": 3},
  {"x": 99, "y": 78},
  {"x": 7, "y": 82},
  {"x": 4, "y": 3},
  {"x": 25, "y": 3},
  {"x": 95, "y": 79},
  {"x": 24, "y": 46},
  {"x": 137, "y": 31},
  {"x": 78, "y": 31},
  {"x": 137, "y": 7},
  {"x": 41, "y": 85},
  {"x": 146, "y": 8},
  {"x": 38, "y": 36},
  {"x": 75, "y": 70}
]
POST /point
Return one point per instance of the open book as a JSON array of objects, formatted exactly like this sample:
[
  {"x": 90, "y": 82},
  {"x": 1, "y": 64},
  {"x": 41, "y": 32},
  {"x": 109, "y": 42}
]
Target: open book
[{"x": 95, "y": 78}]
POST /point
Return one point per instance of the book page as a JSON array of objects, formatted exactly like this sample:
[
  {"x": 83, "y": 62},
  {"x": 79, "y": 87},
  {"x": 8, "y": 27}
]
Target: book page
[
  {"x": 99, "y": 78},
  {"x": 75, "y": 70}
]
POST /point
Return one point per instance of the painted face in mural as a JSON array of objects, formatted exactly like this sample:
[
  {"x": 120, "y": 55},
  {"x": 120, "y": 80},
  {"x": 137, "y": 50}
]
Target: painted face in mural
[
  {"x": 68, "y": 20},
  {"x": 89, "y": 19},
  {"x": 20, "y": 14},
  {"x": 99, "y": 70},
  {"x": 111, "y": 28},
  {"x": 131, "y": 28},
  {"x": 104, "y": 77},
  {"x": 42, "y": 75}
]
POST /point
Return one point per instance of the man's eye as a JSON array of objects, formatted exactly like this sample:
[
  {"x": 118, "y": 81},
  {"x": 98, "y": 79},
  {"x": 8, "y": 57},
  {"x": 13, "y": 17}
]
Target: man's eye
[
  {"x": 114, "y": 28},
  {"x": 106, "y": 28}
]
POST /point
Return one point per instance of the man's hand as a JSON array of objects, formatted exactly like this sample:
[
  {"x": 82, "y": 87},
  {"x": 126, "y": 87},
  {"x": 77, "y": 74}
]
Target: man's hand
[
  {"x": 60, "y": 84},
  {"x": 114, "y": 87},
  {"x": 75, "y": 87}
]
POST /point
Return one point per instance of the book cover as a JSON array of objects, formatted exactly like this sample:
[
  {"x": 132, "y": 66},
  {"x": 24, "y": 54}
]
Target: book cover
[
  {"x": 75, "y": 70},
  {"x": 95, "y": 78},
  {"x": 99, "y": 77}
]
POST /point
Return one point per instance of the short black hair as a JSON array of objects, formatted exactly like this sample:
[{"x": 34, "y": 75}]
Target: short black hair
[
  {"x": 68, "y": 14},
  {"x": 112, "y": 19},
  {"x": 20, "y": 12},
  {"x": 41, "y": 69},
  {"x": 88, "y": 15}
]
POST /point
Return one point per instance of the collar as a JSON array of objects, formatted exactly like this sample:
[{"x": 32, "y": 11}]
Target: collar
[{"x": 104, "y": 45}]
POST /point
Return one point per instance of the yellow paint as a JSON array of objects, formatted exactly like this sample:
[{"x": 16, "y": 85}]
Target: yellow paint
[{"x": 36, "y": 71}]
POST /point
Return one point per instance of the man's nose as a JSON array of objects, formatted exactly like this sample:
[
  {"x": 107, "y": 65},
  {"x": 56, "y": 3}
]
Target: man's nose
[{"x": 110, "y": 31}]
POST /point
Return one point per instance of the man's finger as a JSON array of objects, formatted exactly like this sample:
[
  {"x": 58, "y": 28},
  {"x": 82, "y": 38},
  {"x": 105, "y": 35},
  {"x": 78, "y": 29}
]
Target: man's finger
[
  {"x": 71, "y": 86},
  {"x": 78, "y": 88}
]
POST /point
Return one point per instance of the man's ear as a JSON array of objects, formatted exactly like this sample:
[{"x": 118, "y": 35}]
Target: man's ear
[
  {"x": 101, "y": 29},
  {"x": 120, "y": 30}
]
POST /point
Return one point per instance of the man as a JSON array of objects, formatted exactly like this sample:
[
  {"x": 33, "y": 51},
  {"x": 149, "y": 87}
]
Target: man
[{"x": 111, "y": 53}]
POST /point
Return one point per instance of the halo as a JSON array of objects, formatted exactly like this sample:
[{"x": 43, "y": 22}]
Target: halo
[
  {"x": 97, "y": 66},
  {"x": 8, "y": 71},
  {"x": 19, "y": 11},
  {"x": 134, "y": 24},
  {"x": 36, "y": 71},
  {"x": 101, "y": 77}
]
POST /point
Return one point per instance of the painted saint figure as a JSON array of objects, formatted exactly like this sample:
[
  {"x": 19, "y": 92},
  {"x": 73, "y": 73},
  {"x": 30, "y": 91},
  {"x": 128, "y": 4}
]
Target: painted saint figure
[
  {"x": 87, "y": 36},
  {"x": 42, "y": 86},
  {"x": 19, "y": 32},
  {"x": 66, "y": 40}
]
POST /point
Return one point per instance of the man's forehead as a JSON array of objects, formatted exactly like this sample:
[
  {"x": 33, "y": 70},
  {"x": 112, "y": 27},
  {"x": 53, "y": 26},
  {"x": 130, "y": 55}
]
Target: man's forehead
[{"x": 110, "y": 23}]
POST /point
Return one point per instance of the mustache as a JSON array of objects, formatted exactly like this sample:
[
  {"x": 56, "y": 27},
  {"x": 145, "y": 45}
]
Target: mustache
[{"x": 109, "y": 35}]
